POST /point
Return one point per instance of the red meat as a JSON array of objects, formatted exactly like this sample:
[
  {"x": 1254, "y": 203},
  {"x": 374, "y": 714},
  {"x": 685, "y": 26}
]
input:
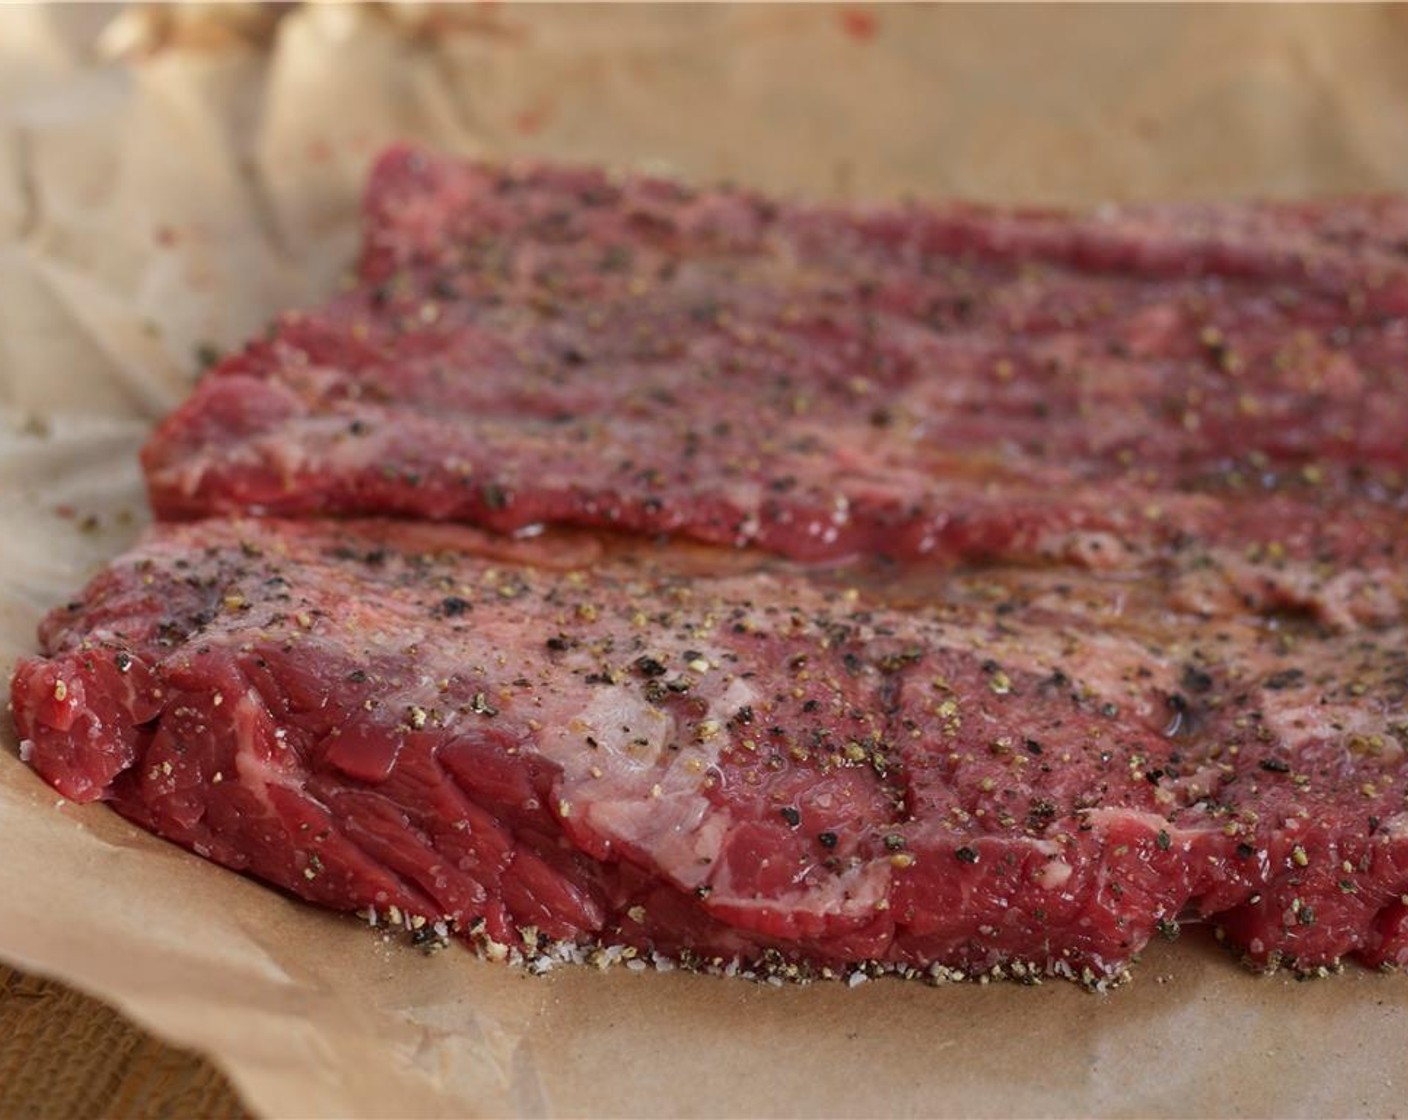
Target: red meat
[
  {"x": 560, "y": 347},
  {"x": 689, "y": 754}
]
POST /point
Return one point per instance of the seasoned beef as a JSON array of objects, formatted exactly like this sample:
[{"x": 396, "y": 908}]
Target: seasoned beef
[
  {"x": 1121, "y": 644},
  {"x": 715, "y": 758},
  {"x": 1221, "y": 387}
]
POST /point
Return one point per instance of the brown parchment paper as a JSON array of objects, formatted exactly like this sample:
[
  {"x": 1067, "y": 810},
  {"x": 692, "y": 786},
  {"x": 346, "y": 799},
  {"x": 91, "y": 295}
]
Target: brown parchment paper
[{"x": 170, "y": 201}]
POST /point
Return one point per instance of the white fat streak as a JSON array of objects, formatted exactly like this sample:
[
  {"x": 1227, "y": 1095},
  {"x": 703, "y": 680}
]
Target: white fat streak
[
  {"x": 1100, "y": 662},
  {"x": 856, "y": 892},
  {"x": 1102, "y": 820},
  {"x": 631, "y": 736},
  {"x": 1054, "y": 875},
  {"x": 1314, "y": 721},
  {"x": 738, "y": 694},
  {"x": 256, "y": 771},
  {"x": 1199, "y": 783},
  {"x": 682, "y": 832},
  {"x": 641, "y": 786}
]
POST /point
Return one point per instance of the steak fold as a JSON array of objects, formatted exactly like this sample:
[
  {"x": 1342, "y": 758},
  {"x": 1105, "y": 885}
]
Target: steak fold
[
  {"x": 1222, "y": 387},
  {"x": 714, "y": 760}
]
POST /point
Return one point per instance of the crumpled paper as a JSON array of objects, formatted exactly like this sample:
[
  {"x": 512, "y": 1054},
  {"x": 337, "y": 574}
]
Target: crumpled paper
[{"x": 160, "y": 207}]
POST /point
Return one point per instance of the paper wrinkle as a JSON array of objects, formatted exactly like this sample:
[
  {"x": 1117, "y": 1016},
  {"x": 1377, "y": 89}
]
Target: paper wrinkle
[
  {"x": 505, "y": 1056},
  {"x": 143, "y": 369},
  {"x": 178, "y": 203}
]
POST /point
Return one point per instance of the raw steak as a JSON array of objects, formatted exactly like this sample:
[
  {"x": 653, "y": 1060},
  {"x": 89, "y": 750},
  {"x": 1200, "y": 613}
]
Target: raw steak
[
  {"x": 1223, "y": 386},
  {"x": 1009, "y": 772}
]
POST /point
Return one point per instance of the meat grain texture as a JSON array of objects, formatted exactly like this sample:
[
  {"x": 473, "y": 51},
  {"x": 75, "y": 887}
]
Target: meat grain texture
[{"x": 1049, "y": 592}]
